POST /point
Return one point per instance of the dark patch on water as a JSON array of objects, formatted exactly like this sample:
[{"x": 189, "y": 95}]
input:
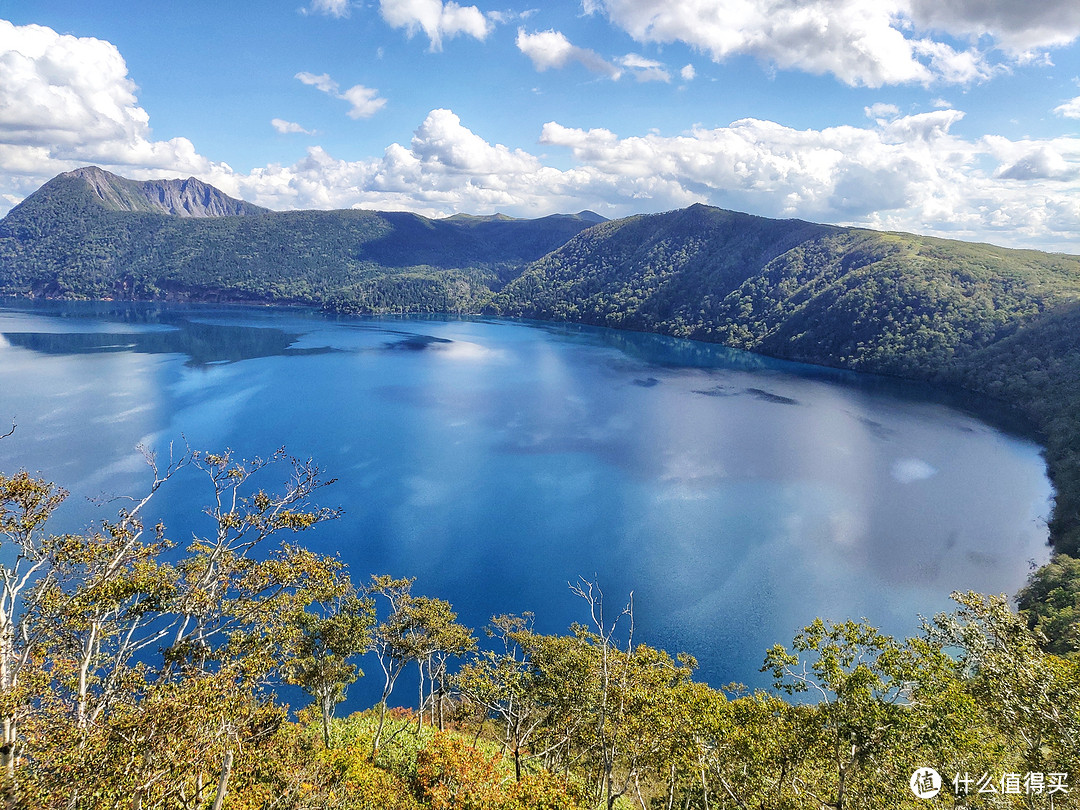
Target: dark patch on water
[
  {"x": 984, "y": 559},
  {"x": 875, "y": 428},
  {"x": 768, "y": 396},
  {"x": 716, "y": 391},
  {"x": 415, "y": 343},
  {"x": 203, "y": 343}
]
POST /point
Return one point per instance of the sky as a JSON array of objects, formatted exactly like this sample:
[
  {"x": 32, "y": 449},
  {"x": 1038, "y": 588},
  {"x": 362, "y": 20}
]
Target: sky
[{"x": 956, "y": 118}]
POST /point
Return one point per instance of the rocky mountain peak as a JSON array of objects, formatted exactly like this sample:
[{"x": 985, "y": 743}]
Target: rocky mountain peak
[{"x": 183, "y": 198}]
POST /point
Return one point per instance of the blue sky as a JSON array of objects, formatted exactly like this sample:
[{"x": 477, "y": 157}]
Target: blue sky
[{"x": 951, "y": 117}]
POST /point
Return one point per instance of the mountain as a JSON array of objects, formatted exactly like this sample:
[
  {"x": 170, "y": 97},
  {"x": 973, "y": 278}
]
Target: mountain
[
  {"x": 182, "y": 198},
  {"x": 871, "y": 301},
  {"x": 89, "y": 233},
  {"x": 1002, "y": 323}
]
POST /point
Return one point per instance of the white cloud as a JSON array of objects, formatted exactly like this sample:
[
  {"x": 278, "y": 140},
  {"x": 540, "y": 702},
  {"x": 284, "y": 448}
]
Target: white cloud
[
  {"x": 645, "y": 70},
  {"x": 438, "y": 20},
  {"x": 331, "y": 8},
  {"x": 68, "y": 101},
  {"x": 551, "y": 49},
  {"x": 446, "y": 168},
  {"x": 952, "y": 66},
  {"x": 852, "y": 39},
  {"x": 322, "y": 82},
  {"x": 1070, "y": 109},
  {"x": 906, "y": 173},
  {"x": 910, "y": 174},
  {"x": 442, "y": 141},
  {"x": 289, "y": 127},
  {"x": 365, "y": 101},
  {"x": 688, "y": 73},
  {"x": 900, "y": 173},
  {"x": 1042, "y": 163},
  {"x": 881, "y": 112},
  {"x": 861, "y": 42},
  {"x": 1018, "y": 27},
  {"x": 930, "y": 127}
]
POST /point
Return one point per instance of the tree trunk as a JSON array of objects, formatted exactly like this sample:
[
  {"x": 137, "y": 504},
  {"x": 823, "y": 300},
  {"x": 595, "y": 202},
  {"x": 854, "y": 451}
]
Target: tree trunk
[
  {"x": 223, "y": 783},
  {"x": 7, "y": 759},
  {"x": 378, "y": 731},
  {"x": 84, "y": 672},
  {"x": 327, "y": 708},
  {"x": 844, "y": 773},
  {"x": 10, "y": 735},
  {"x": 420, "y": 705}
]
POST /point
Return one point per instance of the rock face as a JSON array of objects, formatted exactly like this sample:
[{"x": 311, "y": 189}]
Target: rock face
[{"x": 182, "y": 198}]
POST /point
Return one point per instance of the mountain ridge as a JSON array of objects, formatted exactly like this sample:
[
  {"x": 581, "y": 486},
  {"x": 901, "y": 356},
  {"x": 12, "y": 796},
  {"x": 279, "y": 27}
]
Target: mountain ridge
[
  {"x": 89, "y": 233},
  {"x": 184, "y": 198}
]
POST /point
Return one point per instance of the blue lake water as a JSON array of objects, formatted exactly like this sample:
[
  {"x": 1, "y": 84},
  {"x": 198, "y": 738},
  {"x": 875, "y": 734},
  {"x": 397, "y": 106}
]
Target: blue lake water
[{"x": 739, "y": 497}]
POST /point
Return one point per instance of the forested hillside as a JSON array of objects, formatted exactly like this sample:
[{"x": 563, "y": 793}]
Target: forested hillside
[{"x": 67, "y": 241}]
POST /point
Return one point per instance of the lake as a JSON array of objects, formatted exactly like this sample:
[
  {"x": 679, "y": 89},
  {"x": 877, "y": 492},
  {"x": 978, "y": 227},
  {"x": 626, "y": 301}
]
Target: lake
[{"x": 737, "y": 496}]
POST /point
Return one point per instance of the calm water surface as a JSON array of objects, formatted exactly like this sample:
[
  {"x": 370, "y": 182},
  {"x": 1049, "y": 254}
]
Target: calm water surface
[{"x": 738, "y": 497}]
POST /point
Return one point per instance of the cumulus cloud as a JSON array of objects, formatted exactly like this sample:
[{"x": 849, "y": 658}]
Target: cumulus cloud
[
  {"x": 1042, "y": 164},
  {"x": 688, "y": 73},
  {"x": 1019, "y": 27},
  {"x": 364, "y": 101},
  {"x": 1027, "y": 160},
  {"x": 861, "y": 42},
  {"x": 68, "y": 101},
  {"x": 1070, "y": 109},
  {"x": 289, "y": 127},
  {"x": 551, "y": 49},
  {"x": 443, "y": 142},
  {"x": 438, "y": 20},
  {"x": 928, "y": 128},
  {"x": 857, "y": 43},
  {"x": 952, "y": 66},
  {"x": 445, "y": 168},
  {"x": 900, "y": 173}
]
